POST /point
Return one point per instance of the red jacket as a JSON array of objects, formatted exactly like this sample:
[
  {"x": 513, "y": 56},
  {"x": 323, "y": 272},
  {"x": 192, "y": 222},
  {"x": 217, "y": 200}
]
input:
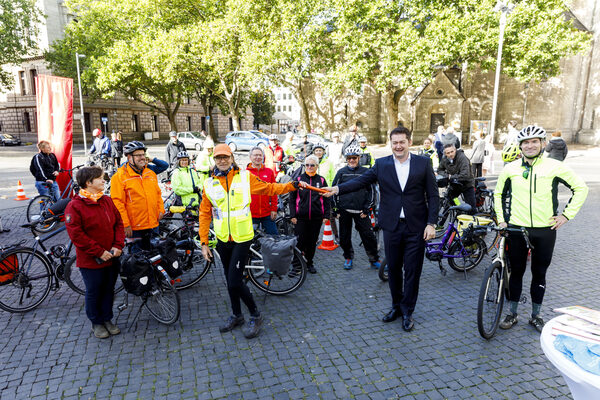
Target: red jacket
[
  {"x": 277, "y": 156},
  {"x": 262, "y": 205},
  {"x": 94, "y": 227}
]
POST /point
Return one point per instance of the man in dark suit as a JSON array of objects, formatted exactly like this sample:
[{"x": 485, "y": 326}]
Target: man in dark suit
[{"x": 407, "y": 214}]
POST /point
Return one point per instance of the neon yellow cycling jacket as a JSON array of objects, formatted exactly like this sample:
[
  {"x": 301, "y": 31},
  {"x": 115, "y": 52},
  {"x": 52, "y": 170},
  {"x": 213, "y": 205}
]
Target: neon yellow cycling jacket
[{"x": 530, "y": 199}]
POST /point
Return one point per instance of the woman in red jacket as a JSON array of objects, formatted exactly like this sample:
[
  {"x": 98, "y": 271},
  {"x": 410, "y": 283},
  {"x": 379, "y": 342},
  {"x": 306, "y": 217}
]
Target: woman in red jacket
[{"x": 96, "y": 229}]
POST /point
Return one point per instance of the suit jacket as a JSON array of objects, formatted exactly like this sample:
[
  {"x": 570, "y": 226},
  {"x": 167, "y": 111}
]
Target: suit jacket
[{"x": 420, "y": 197}]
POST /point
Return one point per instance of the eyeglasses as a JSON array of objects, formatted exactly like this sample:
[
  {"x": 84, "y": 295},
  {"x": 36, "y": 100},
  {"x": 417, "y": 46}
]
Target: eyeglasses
[
  {"x": 138, "y": 155},
  {"x": 310, "y": 165},
  {"x": 221, "y": 158},
  {"x": 526, "y": 172}
]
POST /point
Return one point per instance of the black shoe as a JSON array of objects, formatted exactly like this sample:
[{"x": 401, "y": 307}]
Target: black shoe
[
  {"x": 407, "y": 323},
  {"x": 393, "y": 315},
  {"x": 509, "y": 321},
  {"x": 537, "y": 323},
  {"x": 232, "y": 322},
  {"x": 252, "y": 328},
  {"x": 311, "y": 269}
]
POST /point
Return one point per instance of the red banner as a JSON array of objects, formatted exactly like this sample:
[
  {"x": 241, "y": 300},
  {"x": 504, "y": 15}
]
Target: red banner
[{"x": 54, "y": 101}]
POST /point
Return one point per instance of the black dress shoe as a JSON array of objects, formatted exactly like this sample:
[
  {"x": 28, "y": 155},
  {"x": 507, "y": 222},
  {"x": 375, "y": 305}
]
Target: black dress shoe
[
  {"x": 407, "y": 323},
  {"x": 392, "y": 315}
]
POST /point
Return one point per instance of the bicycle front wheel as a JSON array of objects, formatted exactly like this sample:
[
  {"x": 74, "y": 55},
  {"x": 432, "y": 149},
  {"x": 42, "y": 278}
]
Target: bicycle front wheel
[
  {"x": 491, "y": 300},
  {"x": 195, "y": 267},
  {"x": 36, "y": 209},
  {"x": 467, "y": 257},
  {"x": 25, "y": 278},
  {"x": 74, "y": 279},
  {"x": 273, "y": 283},
  {"x": 163, "y": 301},
  {"x": 383, "y": 270}
]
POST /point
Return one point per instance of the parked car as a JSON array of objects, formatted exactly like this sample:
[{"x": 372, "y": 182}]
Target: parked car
[
  {"x": 9, "y": 140},
  {"x": 312, "y": 138},
  {"x": 191, "y": 140},
  {"x": 245, "y": 140}
]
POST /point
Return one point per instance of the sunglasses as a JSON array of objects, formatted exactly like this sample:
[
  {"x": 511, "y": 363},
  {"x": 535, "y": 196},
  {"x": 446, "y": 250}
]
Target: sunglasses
[
  {"x": 310, "y": 165},
  {"x": 352, "y": 158},
  {"x": 526, "y": 172}
]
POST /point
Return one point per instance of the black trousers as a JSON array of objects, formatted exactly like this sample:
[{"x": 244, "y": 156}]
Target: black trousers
[
  {"x": 404, "y": 252},
  {"x": 364, "y": 229},
  {"x": 234, "y": 256},
  {"x": 308, "y": 231},
  {"x": 468, "y": 194},
  {"x": 542, "y": 240},
  {"x": 100, "y": 291},
  {"x": 477, "y": 169}
]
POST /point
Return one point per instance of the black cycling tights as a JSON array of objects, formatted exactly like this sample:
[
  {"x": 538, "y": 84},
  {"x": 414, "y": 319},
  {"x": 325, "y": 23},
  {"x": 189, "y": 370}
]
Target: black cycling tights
[
  {"x": 234, "y": 256},
  {"x": 542, "y": 239}
]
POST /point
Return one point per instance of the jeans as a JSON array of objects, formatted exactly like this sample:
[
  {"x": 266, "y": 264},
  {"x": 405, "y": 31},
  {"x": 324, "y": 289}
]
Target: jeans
[
  {"x": 100, "y": 292},
  {"x": 53, "y": 191},
  {"x": 267, "y": 223},
  {"x": 145, "y": 244}
]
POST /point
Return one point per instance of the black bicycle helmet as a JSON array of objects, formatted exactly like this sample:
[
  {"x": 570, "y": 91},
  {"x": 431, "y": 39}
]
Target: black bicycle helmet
[{"x": 133, "y": 146}]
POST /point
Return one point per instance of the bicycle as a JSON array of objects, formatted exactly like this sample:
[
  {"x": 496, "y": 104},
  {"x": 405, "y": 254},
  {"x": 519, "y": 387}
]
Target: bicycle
[
  {"x": 495, "y": 285},
  {"x": 273, "y": 282},
  {"x": 38, "y": 206},
  {"x": 463, "y": 250},
  {"x": 185, "y": 231},
  {"x": 28, "y": 274},
  {"x": 161, "y": 298}
]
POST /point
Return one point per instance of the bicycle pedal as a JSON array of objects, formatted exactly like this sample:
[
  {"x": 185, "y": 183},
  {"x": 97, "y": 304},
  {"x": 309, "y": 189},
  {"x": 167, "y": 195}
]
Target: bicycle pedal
[
  {"x": 523, "y": 300},
  {"x": 122, "y": 307}
]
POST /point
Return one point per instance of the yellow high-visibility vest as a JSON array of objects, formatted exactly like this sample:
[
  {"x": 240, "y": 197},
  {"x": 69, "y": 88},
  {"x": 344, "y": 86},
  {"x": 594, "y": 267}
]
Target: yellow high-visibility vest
[{"x": 231, "y": 209}]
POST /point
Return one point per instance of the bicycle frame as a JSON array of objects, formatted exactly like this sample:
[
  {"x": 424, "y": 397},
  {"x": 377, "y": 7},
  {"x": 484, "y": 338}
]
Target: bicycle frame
[{"x": 39, "y": 242}]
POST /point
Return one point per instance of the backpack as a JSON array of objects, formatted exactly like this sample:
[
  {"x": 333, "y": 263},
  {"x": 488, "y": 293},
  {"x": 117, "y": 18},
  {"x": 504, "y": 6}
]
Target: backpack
[
  {"x": 136, "y": 274},
  {"x": 8, "y": 267}
]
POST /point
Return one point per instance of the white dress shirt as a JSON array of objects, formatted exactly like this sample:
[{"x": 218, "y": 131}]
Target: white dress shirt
[{"x": 402, "y": 170}]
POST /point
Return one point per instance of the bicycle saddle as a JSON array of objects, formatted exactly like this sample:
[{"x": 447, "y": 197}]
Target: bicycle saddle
[{"x": 462, "y": 208}]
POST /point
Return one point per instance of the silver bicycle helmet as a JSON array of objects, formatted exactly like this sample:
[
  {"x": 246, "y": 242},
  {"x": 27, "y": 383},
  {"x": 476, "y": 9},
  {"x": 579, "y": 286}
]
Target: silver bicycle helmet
[
  {"x": 182, "y": 154},
  {"x": 352, "y": 150},
  {"x": 531, "y": 132},
  {"x": 319, "y": 145},
  {"x": 362, "y": 139},
  {"x": 273, "y": 136},
  {"x": 133, "y": 146}
]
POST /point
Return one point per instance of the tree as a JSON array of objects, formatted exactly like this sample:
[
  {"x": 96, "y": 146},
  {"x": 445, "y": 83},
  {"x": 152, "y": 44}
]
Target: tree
[
  {"x": 263, "y": 107},
  {"x": 18, "y": 33}
]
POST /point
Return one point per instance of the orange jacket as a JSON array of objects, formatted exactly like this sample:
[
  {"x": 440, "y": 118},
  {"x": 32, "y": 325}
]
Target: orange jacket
[
  {"x": 137, "y": 197},
  {"x": 256, "y": 187}
]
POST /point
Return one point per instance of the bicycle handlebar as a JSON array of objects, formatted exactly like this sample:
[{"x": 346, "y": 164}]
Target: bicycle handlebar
[{"x": 521, "y": 230}]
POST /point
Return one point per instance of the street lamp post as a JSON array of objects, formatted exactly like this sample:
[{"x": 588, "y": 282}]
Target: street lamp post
[
  {"x": 505, "y": 8},
  {"x": 82, "y": 119}
]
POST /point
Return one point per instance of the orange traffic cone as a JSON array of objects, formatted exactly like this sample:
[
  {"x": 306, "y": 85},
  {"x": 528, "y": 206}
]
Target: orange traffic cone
[
  {"x": 328, "y": 243},
  {"x": 20, "y": 192}
]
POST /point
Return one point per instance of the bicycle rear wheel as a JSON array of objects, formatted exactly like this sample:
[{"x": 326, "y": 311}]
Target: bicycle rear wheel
[
  {"x": 25, "y": 279},
  {"x": 471, "y": 255},
  {"x": 194, "y": 267},
  {"x": 274, "y": 283},
  {"x": 74, "y": 279},
  {"x": 36, "y": 210},
  {"x": 491, "y": 300},
  {"x": 162, "y": 302}
]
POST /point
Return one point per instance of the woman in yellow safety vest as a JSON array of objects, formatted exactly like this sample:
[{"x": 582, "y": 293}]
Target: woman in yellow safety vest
[{"x": 226, "y": 202}]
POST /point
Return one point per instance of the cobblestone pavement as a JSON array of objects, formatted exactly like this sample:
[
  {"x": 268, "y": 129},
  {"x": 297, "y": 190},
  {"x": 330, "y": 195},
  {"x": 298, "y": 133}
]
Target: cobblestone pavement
[{"x": 324, "y": 341}]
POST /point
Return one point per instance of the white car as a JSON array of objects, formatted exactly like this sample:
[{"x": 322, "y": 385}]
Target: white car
[{"x": 191, "y": 140}]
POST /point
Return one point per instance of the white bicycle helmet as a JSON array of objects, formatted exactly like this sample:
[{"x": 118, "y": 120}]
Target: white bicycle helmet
[
  {"x": 321, "y": 145},
  {"x": 273, "y": 136},
  {"x": 362, "y": 139},
  {"x": 531, "y": 132},
  {"x": 352, "y": 150},
  {"x": 182, "y": 154}
]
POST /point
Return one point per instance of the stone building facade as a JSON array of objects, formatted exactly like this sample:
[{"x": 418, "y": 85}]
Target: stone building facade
[{"x": 18, "y": 107}]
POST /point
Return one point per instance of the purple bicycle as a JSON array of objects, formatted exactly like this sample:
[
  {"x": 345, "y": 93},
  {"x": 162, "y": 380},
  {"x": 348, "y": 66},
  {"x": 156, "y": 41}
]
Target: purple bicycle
[{"x": 463, "y": 250}]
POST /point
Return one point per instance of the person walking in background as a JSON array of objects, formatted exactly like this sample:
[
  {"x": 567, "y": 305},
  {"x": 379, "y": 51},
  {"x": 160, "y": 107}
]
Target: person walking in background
[
  {"x": 478, "y": 154},
  {"x": 308, "y": 211},
  {"x": 438, "y": 141},
  {"x": 173, "y": 148},
  {"x": 429, "y": 151},
  {"x": 557, "y": 147},
  {"x": 335, "y": 151},
  {"x": 101, "y": 144},
  {"x": 450, "y": 138},
  {"x": 355, "y": 207},
  {"x": 262, "y": 207},
  {"x": 116, "y": 145},
  {"x": 275, "y": 154},
  {"x": 45, "y": 168},
  {"x": 488, "y": 158},
  {"x": 408, "y": 212},
  {"x": 186, "y": 181},
  {"x": 95, "y": 227}
]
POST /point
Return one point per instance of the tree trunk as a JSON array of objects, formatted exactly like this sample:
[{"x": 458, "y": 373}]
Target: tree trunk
[
  {"x": 207, "y": 107},
  {"x": 391, "y": 103},
  {"x": 304, "y": 115}
]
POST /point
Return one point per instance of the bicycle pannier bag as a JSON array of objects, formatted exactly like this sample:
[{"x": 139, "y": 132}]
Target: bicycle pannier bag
[
  {"x": 170, "y": 260},
  {"x": 277, "y": 252},
  {"x": 136, "y": 274},
  {"x": 8, "y": 266}
]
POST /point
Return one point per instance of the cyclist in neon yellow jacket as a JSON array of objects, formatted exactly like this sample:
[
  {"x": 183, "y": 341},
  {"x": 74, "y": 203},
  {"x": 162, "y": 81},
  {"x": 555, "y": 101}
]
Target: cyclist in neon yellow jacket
[
  {"x": 326, "y": 168},
  {"x": 186, "y": 181},
  {"x": 526, "y": 195},
  {"x": 206, "y": 162},
  {"x": 366, "y": 158}
]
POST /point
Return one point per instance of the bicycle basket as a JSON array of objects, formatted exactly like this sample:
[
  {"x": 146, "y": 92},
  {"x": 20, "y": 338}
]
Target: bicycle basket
[
  {"x": 136, "y": 274},
  {"x": 8, "y": 267},
  {"x": 277, "y": 252}
]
